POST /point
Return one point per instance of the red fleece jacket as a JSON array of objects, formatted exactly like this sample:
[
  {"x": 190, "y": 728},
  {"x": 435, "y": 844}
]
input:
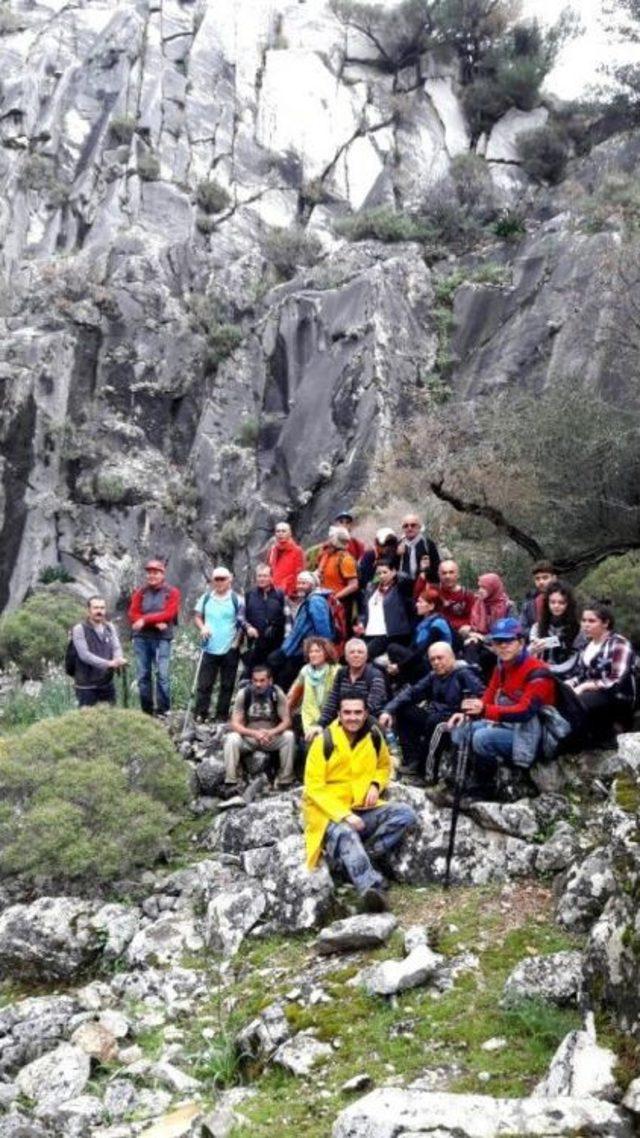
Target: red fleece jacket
[
  {"x": 525, "y": 699},
  {"x": 167, "y": 615}
]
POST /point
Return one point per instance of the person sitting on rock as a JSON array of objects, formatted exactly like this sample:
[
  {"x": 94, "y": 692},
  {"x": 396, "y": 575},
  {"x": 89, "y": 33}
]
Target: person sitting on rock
[
  {"x": 505, "y": 722},
  {"x": 347, "y": 768},
  {"x": 531, "y": 611},
  {"x": 603, "y": 678},
  {"x": 491, "y": 603},
  {"x": 387, "y": 612},
  {"x": 260, "y": 722},
  {"x": 268, "y": 618},
  {"x": 456, "y": 602},
  {"x": 556, "y": 637},
  {"x": 357, "y": 677},
  {"x": 313, "y": 618},
  {"x": 443, "y": 690},
  {"x": 285, "y": 559},
  {"x": 311, "y": 688},
  {"x": 418, "y": 553},
  {"x": 409, "y": 664}
]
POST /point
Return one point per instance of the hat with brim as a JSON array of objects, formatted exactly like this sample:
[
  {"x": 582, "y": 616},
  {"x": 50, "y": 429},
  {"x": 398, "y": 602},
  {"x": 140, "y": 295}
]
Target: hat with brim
[
  {"x": 344, "y": 515},
  {"x": 155, "y": 564},
  {"x": 506, "y": 629}
]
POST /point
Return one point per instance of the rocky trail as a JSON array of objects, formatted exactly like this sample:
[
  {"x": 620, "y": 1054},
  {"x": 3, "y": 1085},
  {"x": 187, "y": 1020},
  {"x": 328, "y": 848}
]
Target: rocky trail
[{"x": 233, "y": 993}]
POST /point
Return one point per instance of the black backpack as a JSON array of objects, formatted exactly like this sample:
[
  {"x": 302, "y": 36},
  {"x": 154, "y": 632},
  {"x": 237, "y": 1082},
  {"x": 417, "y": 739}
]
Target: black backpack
[
  {"x": 70, "y": 657},
  {"x": 567, "y": 703}
]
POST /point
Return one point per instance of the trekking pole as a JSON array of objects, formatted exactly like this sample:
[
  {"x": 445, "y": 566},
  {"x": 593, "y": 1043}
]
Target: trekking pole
[
  {"x": 192, "y": 693},
  {"x": 124, "y": 672},
  {"x": 462, "y": 765}
]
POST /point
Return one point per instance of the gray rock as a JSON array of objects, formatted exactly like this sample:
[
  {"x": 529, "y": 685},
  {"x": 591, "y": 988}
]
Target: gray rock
[
  {"x": 209, "y": 775},
  {"x": 631, "y": 1098},
  {"x": 96, "y": 1041},
  {"x": 52, "y": 938},
  {"x": 296, "y": 899},
  {"x": 356, "y": 933},
  {"x": 120, "y": 1098},
  {"x": 302, "y": 1053},
  {"x": 556, "y": 979},
  {"x": 390, "y": 1113},
  {"x": 117, "y": 925},
  {"x": 559, "y": 851},
  {"x": 580, "y": 1069},
  {"x": 262, "y": 824},
  {"x": 56, "y": 1077},
  {"x": 30, "y": 1028},
  {"x": 516, "y": 818},
  {"x": 164, "y": 941},
  {"x": 393, "y": 976},
  {"x": 414, "y": 936},
  {"x": 76, "y": 1118},
  {"x": 611, "y": 971},
  {"x": 115, "y": 1022},
  {"x": 18, "y": 1125},
  {"x": 173, "y": 1077},
  {"x": 629, "y": 751},
  {"x": 260, "y": 1038},
  {"x": 230, "y": 916},
  {"x": 588, "y": 887}
]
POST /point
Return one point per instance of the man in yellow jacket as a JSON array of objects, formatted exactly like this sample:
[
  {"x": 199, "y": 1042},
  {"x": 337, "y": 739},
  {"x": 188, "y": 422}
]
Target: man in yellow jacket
[{"x": 346, "y": 771}]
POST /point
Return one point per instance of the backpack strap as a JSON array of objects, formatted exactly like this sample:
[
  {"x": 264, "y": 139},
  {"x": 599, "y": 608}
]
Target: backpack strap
[{"x": 328, "y": 746}]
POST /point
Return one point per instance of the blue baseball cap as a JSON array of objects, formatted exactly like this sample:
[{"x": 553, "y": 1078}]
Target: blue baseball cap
[{"x": 506, "y": 629}]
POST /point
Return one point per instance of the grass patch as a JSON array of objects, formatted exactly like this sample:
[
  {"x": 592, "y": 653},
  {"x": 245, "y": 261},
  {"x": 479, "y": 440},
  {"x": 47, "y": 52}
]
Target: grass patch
[{"x": 416, "y": 1032}]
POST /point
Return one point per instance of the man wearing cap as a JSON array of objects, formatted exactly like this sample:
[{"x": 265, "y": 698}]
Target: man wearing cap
[
  {"x": 505, "y": 721},
  {"x": 354, "y": 546},
  {"x": 219, "y": 616},
  {"x": 153, "y": 613}
]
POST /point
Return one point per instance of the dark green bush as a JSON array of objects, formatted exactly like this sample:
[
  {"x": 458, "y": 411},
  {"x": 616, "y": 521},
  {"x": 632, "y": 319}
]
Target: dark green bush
[
  {"x": 212, "y": 197},
  {"x": 38, "y": 630},
  {"x": 54, "y": 573},
  {"x": 290, "y": 249},
  {"x": 618, "y": 580},
  {"x": 384, "y": 224},
  {"x": 510, "y": 225},
  {"x": 543, "y": 154},
  {"x": 91, "y": 801},
  {"x": 122, "y": 129}
]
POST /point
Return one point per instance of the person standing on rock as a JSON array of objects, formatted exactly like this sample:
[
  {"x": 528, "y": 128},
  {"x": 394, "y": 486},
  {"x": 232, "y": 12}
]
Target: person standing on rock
[
  {"x": 98, "y": 653},
  {"x": 268, "y": 617},
  {"x": 285, "y": 559},
  {"x": 313, "y": 618},
  {"x": 347, "y": 768},
  {"x": 153, "y": 613},
  {"x": 260, "y": 722},
  {"x": 219, "y": 616},
  {"x": 418, "y": 553}
]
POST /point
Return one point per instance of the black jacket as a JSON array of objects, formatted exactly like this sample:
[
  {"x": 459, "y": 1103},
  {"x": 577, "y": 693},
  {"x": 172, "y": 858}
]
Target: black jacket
[
  {"x": 264, "y": 609},
  {"x": 425, "y": 547}
]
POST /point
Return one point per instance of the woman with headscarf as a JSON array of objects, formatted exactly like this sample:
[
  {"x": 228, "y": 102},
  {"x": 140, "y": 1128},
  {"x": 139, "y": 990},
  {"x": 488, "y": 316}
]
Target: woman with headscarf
[{"x": 490, "y": 605}]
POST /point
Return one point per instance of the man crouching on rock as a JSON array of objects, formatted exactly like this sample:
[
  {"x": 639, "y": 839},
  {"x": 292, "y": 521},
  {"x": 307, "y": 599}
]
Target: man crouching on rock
[{"x": 347, "y": 768}]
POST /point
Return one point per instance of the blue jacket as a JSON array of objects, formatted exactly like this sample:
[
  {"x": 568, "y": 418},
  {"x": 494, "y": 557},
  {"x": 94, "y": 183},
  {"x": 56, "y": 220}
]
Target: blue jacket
[
  {"x": 444, "y": 693},
  {"x": 431, "y": 629},
  {"x": 313, "y": 618}
]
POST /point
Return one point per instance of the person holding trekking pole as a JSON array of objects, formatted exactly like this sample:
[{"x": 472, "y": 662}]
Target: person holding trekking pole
[{"x": 219, "y": 616}]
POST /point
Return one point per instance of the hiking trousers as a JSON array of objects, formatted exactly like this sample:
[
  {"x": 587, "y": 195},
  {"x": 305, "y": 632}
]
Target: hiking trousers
[
  {"x": 351, "y": 850},
  {"x": 213, "y": 667},
  {"x": 235, "y": 746}
]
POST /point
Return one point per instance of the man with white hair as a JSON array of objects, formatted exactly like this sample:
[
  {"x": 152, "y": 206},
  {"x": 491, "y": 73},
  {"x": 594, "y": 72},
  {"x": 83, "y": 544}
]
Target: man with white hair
[
  {"x": 219, "y": 616},
  {"x": 356, "y": 677},
  {"x": 313, "y": 618},
  {"x": 443, "y": 689},
  {"x": 338, "y": 570},
  {"x": 418, "y": 553}
]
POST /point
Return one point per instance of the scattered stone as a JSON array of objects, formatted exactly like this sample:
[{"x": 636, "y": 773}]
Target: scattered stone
[
  {"x": 362, "y": 1082},
  {"x": 117, "y": 925},
  {"x": 120, "y": 1098},
  {"x": 555, "y": 978},
  {"x": 76, "y": 1118},
  {"x": 181, "y": 1123},
  {"x": 391, "y": 1112},
  {"x": 302, "y": 1053},
  {"x": 31, "y": 1027},
  {"x": 209, "y": 775},
  {"x": 231, "y": 915},
  {"x": 497, "y": 1043},
  {"x": 560, "y": 851},
  {"x": 96, "y": 1041},
  {"x": 53, "y": 938},
  {"x": 297, "y": 899},
  {"x": 588, "y": 887},
  {"x": 632, "y": 1096},
  {"x": 354, "y": 934},
  {"x": 173, "y": 1077},
  {"x": 115, "y": 1022},
  {"x": 131, "y": 1054},
  {"x": 260, "y": 1038},
  {"x": 415, "y": 936},
  {"x": 393, "y": 976},
  {"x": 56, "y": 1077},
  {"x": 164, "y": 941},
  {"x": 580, "y": 1068},
  {"x": 515, "y": 818},
  {"x": 225, "y": 1116}
]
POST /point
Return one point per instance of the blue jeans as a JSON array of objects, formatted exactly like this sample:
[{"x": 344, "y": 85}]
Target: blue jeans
[
  {"x": 491, "y": 741},
  {"x": 152, "y": 654},
  {"x": 349, "y": 849}
]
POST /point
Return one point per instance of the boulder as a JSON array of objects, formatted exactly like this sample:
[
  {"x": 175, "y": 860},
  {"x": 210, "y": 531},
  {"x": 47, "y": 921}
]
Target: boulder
[
  {"x": 296, "y": 898},
  {"x": 302, "y": 1053},
  {"x": 53, "y": 938},
  {"x": 579, "y": 1069},
  {"x": 559, "y": 851},
  {"x": 56, "y": 1077},
  {"x": 184, "y": 1122},
  {"x": 96, "y": 1041},
  {"x": 31, "y": 1027},
  {"x": 230, "y": 916},
  {"x": 588, "y": 887},
  {"x": 209, "y": 776},
  {"x": 164, "y": 941},
  {"x": 555, "y": 979},
  {"x": 260, "y": 1038},
  {"x": 261, "y": 824},
  {"x": 356, "y": 933},
  {"x": 611, "y": 970},
  {"x": 393, "y": 976},
  {"x": 392, "y": 1113},
  {"x": 76, "y": 1118}
]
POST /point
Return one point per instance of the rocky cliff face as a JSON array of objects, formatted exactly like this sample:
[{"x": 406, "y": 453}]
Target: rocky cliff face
[{"x": 160, "y": 389}]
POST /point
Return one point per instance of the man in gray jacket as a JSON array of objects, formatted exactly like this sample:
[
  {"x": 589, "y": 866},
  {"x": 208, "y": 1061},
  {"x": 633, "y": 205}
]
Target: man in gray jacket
[{"x": 98, "y": 654}]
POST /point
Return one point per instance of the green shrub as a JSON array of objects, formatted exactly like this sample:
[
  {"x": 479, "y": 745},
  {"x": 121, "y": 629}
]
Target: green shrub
[
  {"x": 148, "y": 167},
  {"x": 543, "y": 154},
  {"x": 54, "y": 573},
  {"x": 616, "y": 202},
  {"x": 249, "y": 432},
  {"x": 474, "y": 186},
  {"x": 122, "y": 129},
  {"x": 290, "y": 249},
  {"x": 618, "y": 580},
  {"x": 384, "y": 224},
  {"x": 20, "y": 708},
  {"x": 222, "y": 341},
  {"x": 39, "y": 174},
  {"x": 37, "y": 631},
  {"x": 510, "y": 225},
  {"x": 90, "y": 802},
  {"x": 212, "y": 197}
]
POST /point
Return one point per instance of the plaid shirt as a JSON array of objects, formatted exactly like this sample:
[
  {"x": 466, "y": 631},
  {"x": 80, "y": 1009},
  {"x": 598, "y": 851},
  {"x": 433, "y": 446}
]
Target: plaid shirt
[{"x": 610, "y": 666}]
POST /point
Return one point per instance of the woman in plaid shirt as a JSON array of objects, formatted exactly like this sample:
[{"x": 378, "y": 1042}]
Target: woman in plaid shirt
[{"x": 604, "y": 676}]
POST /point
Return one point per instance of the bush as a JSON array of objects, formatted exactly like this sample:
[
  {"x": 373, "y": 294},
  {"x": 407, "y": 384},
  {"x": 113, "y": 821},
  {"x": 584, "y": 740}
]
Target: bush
[
  {"x": 543, "y": 154},
  {"x": 54, "y": 573},
  {"x": 212, "y": 197},
  {"x": 222, "y": 341},
  {"x": 90, "y": 802},
  {"x": 474, "y": 186},
  {"x": 384, "y": 224},
  {"x": 20, "y": 708},
  {"x": 510, "y": 225},
  {"x": 618, "y": 579},
  {"x": 37, "y": 631},
  {"x": 148, "y": 167},
  {"x": 122, "y": 129},
  {"x": 290, "y": 249}
]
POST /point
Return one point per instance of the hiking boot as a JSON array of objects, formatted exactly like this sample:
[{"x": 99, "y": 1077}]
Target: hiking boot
[
  {"x": 441, "y": 794},
  {"x": 230, "y": 790},
  {"x": 374, "y": 901}
]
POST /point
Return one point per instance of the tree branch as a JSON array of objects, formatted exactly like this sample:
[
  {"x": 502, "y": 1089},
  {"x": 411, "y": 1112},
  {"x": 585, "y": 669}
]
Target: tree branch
[{"x": 491, "y": 514}]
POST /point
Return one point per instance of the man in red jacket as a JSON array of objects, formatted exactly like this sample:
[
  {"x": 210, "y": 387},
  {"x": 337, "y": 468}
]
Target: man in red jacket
[
  {"x": 153, "y": 613},
  {"x": 456, "y": 602},
  {"x": 285, "y": 559},
  {"x": 512, "y": 700}
]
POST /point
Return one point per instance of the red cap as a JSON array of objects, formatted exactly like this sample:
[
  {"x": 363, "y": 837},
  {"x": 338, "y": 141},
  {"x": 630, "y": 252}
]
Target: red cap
[{"x": 154, "y": 564}]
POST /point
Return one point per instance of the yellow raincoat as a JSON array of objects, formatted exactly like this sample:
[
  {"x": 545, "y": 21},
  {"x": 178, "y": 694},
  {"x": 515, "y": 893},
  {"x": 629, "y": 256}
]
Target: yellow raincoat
[{"x": 335, "y": 786}]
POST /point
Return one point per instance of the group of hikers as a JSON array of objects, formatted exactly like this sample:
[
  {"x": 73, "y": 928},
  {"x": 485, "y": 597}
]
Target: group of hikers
[{"x": 425, "y": 661}]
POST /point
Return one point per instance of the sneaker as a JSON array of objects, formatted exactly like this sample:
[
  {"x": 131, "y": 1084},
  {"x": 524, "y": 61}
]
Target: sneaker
[{"x": 374, "y": 901}]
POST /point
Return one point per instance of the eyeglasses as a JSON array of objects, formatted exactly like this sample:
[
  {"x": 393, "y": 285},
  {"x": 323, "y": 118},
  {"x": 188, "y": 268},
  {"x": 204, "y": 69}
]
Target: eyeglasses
[
  {"x": 219, "y": 578},
  {"x": 410, "y": 525}
]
